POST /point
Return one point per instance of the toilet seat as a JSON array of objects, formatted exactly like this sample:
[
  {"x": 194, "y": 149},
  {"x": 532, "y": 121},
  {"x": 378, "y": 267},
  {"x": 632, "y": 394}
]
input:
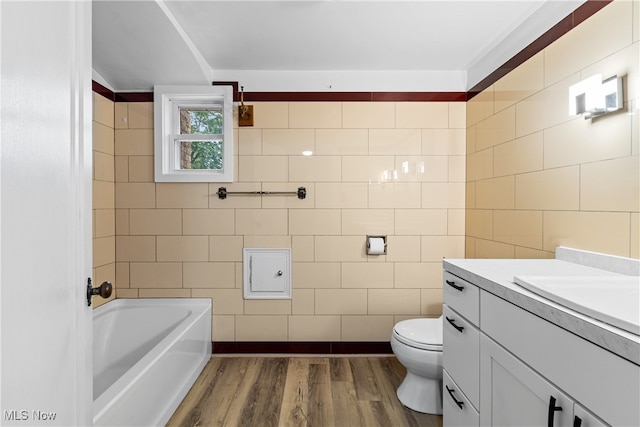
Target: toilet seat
[{"x": 425, "y": 334}]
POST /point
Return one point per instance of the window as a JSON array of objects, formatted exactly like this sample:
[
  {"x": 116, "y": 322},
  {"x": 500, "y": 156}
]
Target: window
[{"x": 193, "y": 133}]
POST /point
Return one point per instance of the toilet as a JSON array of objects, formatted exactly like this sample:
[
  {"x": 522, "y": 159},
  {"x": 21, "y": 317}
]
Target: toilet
[{"x": 417, "y": 344}]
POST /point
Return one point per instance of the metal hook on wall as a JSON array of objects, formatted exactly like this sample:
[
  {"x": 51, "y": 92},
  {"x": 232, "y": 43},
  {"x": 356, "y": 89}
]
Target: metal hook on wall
[
  {"x": 245, "y": 112},
  {"x": 243, "y": 108}
]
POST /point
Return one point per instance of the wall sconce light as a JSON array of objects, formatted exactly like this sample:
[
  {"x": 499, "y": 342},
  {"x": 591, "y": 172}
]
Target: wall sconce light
[{"x": 594, "y": 97}]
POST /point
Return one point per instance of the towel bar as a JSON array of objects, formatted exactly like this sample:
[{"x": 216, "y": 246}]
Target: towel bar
[{"x": 301, "y": 193}]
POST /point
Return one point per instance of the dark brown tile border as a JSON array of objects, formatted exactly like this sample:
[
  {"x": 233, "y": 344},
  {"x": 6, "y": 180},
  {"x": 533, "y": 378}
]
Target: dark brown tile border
[
  {"x": 301, "y": 96},
  {"x": 354, "y": 96},
  {"x": 419, "y": 96},
  {"x": 582, "y": 13},
  {"x": 306, "y": 96},
  {"x": 101, "y": 90},
  {"x": 572, "y": 20},
  {"x": 121, "y": 96},
  {"x": 134, "y": 97},
  {"x": 587, "y": 10},
  {"x": 299, "y": 347}
]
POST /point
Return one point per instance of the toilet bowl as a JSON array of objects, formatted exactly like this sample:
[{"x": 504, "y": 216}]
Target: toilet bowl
[{"x": 417, "y": 344}]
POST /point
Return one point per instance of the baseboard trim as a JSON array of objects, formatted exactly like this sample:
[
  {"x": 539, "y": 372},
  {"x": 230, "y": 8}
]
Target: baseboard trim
[{"x": 306, "y": 347}]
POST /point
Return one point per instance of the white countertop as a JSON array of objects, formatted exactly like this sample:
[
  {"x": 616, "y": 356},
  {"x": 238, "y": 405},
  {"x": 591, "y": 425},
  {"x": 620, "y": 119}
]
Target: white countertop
[{"x": 496, "y": 276}]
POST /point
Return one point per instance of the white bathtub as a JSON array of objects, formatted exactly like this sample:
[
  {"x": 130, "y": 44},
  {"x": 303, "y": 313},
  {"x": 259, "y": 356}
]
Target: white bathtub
[{"x": 147, "y": 353}]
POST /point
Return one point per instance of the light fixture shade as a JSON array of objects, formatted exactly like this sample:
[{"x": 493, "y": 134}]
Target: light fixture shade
[
  {"x": 584, "y": 96},
  {"x": 612, "y": 93},
  {"x": 594, "y": 97}
]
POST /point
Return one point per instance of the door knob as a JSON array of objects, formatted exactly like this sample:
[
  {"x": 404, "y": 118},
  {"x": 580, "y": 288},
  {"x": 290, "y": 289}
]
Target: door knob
[{"x": 104, "y": 290}]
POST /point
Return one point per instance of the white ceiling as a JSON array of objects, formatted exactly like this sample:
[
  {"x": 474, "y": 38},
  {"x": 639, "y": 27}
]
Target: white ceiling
[{"x": 303, "y": 45}]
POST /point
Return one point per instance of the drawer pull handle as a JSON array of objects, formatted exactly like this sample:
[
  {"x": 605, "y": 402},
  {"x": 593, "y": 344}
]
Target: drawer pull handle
[
  {"x": 552, "y": 410},
  {"x": 453, "y": 323},
  {"x": 460, "y": 403},
  {"x": 454, "y": 286}
]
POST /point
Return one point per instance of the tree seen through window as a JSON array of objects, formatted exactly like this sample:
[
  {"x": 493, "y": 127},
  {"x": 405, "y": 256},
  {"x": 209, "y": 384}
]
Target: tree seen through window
[{"x": 207, "y": 153}]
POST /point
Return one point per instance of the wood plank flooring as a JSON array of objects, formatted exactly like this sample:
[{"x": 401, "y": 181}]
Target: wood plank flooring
[{"x": 299, "y": 392}]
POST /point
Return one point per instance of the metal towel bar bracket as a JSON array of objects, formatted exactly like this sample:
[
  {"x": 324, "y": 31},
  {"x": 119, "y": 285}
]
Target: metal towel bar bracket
[{"x": 301, "y": 193}]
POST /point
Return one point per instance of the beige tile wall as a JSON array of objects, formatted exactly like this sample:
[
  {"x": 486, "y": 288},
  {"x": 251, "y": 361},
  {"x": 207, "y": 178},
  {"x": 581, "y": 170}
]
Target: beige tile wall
[
  {"x": 538, "y": 178},
  {"x": 378, "y": 168},
  {"x": 104, "y": 220}
]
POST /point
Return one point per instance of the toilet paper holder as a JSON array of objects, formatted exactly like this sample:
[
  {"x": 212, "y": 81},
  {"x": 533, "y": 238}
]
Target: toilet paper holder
[{"x": 372, "y": 251}]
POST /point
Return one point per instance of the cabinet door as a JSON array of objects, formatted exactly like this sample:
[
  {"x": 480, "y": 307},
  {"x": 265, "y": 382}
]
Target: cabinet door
[
  {"x": 584, "y": 418},
  {"x": 603, "y": 382},
  {"x": 512, "y": 394}
]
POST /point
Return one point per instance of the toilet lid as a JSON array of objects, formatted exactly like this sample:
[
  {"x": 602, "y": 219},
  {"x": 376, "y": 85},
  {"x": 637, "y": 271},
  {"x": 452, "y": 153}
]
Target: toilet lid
[{"x": 420, "y": 333}]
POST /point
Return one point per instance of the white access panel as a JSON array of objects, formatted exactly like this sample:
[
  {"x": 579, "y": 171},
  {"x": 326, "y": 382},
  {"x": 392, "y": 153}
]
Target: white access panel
[{"x": 267, "y": 273}]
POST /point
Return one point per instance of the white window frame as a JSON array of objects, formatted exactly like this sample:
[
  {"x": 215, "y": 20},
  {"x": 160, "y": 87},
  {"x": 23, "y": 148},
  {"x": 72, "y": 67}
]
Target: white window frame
[{"x": 167, "y": 102}]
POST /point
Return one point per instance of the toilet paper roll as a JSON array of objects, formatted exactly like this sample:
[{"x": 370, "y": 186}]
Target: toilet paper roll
[{"x": 376, "y": 246}]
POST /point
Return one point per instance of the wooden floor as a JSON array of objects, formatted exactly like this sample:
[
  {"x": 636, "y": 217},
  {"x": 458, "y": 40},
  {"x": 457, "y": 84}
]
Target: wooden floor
[{"x": 299, "y": 391}]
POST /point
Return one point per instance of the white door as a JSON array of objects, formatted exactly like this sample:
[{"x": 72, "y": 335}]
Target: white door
[{"x": 45, "y": 213}]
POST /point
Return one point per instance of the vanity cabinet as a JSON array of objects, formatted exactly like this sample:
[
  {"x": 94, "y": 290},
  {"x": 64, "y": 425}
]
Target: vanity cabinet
[
  {"x": 461, "y": 362},
  {"x": 509, "y": 367}
]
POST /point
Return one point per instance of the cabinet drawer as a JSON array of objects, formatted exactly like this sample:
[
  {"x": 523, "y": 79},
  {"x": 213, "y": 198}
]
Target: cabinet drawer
[
  {"x": 456, "y": 409},
  {"x": 462, "y": 296},
  {"x": 461, "y": 353}
]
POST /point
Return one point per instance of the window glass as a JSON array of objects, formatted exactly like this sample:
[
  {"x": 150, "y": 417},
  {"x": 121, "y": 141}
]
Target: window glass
[
  {"x": 204, "y": 121},
  {"x": 205, "y": 155}
]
